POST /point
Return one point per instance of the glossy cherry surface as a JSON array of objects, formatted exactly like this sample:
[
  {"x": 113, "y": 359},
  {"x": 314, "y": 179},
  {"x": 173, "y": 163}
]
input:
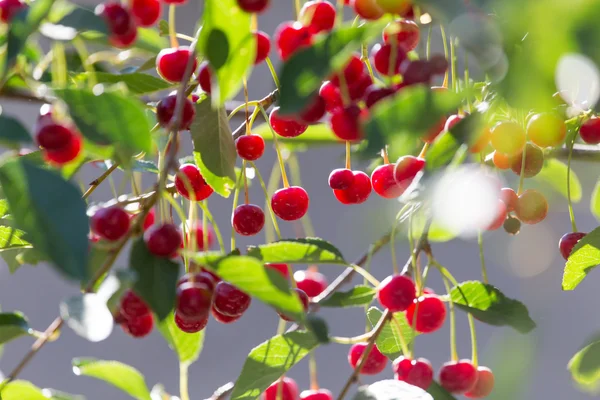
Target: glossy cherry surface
[
  {"x": 146, "y": 12},
  {"x": 417, "y": 372},
  {"x": 189, "y": 177},
  {"x": 171, "y": 63},
  {"x": 163, "y": 240},
  {"x": 248, "y": 219},
  {"x": 384, "y": 182},
  {"x": 396, "y": 293},
  {"x": 165, "y": 110},
  {"x": 458, "y": 377},
  {"x": 375, "y": 363},
  {"x": 229, "y": 300},
  {"x": 194, "y": 300},
  {"x": 284, "y": 126},
  {"x": 484, "y": 386},
  {"x": 110, "y": 223},
  {"x": 290, "y": 203},
  {"x": 568, "y": 241},
  {"x": 286, "y": 386},
  {"x": 313, "y": 283},
  {"x": 263, "y": 46},
  {"x": 428, "y": 311},
  {"x": 358, "y": 192},
  {"x": 341, "y": 178},
  {"x": 345, "y": 123}
]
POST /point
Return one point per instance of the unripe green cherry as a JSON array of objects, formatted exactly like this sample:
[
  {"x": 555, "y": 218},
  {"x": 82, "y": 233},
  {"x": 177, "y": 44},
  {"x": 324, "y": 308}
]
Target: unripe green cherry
[
  {"x": 508, "y": 138},
  {"x": 546, "y": 130}
]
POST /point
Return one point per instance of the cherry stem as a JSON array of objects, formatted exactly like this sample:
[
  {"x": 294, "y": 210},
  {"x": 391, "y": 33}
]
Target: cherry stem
[
  {"x": 569, "y": 202},
  {"x": 372, "y": 280},
  {"x": 267, "y": 197},
  {"x": 420, "y": 289},
  {"x": 352, "y": 340},
  {"x": 183, "y": 381},
  {"x": 179, "y": 211},
  {"x": 522, "y": 174},
  {"x": 312, "y": 370},
  {"x": 273, "y": 73},
  {"x": 240, "y": 107},
  {"x": 453, "y": 352},
  {"x": 284, "y": 178},
  {"x": 393, "y": 249},
  {"x": 467, "y": 81},
  {"x": 339, "y": 15},
  {"x": 365, "y": 58},
  {"x": 368, "y": 269},
  {"x": 96, "y": 182},
  {"x": 445, "y": 43},
  {"x": 298, "y": 7},
  {"x": 205, "y": 245},
  {"x": 307, "y": 225},
  {"x": 246, "y": 110},
  {"x": 246, "y": 194},
  {"x": 236, "y": 195},
  {"x": 274, "y": 179},
  {"x": 204, "y": 206},
  {"x": 428, "y": 47},
  {"x": 344, "y": 91},
  {"x": 424, "y": 150},
  {"x": 484, "y": 274},
  {"x": 384, "y": 154},
  {"x": 453, "y": 67},
  {"x": 172, "y": 31},
  {"x": 474, "y": 358},
  {"x": 348, "y": 155}
]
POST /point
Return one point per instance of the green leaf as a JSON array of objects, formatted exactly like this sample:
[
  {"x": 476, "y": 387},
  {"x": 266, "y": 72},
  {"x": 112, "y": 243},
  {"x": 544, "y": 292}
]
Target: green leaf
[
  {"x": 391, "y": 389},
  {"x": 88, "y": 316},
  {"x": 554, "y": 174},
  {"x": 122, "y": 376},
  {"x": 270, "y": 360},
  {"x": 10, "y": 257},
  {"x": 11, "y": 238},
  {"x": 136, "y": 82},
  {"x": 438, "y": 392},
  {"x": 388, "y": 341},
  {"x": 298, "y": 251},
  {"x": 595, "y": 201},
  {"x": 251, "y": 276},
  {"x": 51, "y": 211},
  {"x": 585, "y": 365},
  {"x": 228, "y": 44},
  {"x": 302, "y": 75},
  {"x": 21, "y": 390},
  {"x": 22, "y": 26},
  {"x": 489, "y": 305},
  {"x": 163, "y": 27},
  {"x": 447, "y": 144},
  {"x": 187, "y": 346},
  {"x": 13, "y": 325},
  {"x": 83, "y": 19},
  {"x": 584, "y": 257},
  {"x": 12, "y": 131},
  {"x": 127, "y": 125},
  {"x": 156, "y": 279},
  {"x": 359, "y": 296},
  {"x": 315, "y": 135},
  {"x": 318, "y": 327},
  {"x": 214, "y": 149}
]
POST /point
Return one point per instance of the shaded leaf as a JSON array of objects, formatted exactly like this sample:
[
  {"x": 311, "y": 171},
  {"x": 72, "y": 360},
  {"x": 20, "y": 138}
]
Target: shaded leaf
[
  {"x": 136, "y": 82},
  {"x": 270, "y": 360},
  {"x": 438, "y": 392},
  {"x": 391, "y": 389},
  {"x": 83, "y": 19},
  {"x": 12, "y": 131},
  {"x": 315, "y": 135},
  {"x": 298, "y": 251},
  {"x": 584, "y": 257},
  {"x": 122, "y": 376},
  {"x": 554, "y": 174},
  {"x": 318, "y": 327},
  {"x": 13, "y": 325},
  {"x": 359, "y": 296},
  {"x": 388, "y": 341},
  {"x": 187, "y": 346},
  {"x": 446, "y": 145},
  {"x": 88, "y": 316},
  {"x": 21, "y": 390},
  {"x": 585, "y": 365}
]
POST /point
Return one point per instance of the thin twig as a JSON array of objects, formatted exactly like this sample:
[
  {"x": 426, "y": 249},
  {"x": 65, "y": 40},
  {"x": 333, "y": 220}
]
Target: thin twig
[
  {"x": 265, "y": 103},
  {"x": 222, "y": 392},
  {"x": 96, "y": 182}
]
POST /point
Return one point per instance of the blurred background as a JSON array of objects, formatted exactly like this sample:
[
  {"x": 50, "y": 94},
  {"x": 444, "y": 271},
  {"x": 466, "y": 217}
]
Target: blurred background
[{"x": 527, "y": 267}]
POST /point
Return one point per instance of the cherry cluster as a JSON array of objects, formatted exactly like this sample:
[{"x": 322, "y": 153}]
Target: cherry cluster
[{"x": 122, "y": 21}]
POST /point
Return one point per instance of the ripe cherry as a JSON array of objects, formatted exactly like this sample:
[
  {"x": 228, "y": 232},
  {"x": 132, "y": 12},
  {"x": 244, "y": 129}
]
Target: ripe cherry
[
  {"x": 318, "y": 16},
  {"x": 125, "y": 40},
  {"x": 286, "y": 127},
  {"x": 229, "y": 300},
  {"x": 166, "y": 108},
  {"x": 568, "y": 241},
  {"x": 290, "y": 203},
  {"x": 341, "y": 178},
  {"x": 499, "y": 218},
  {"x": 508, "y": 138},
  {"x": 404, "y": 32},
  {"x": 396, "y": 293},
  {"x": 149, "y": 219},
  {"x": 546, "y": 130},
  {"x": 317, "y": 394},
  {"x": 532, "y": 207},
  {"x": 198, "y": 232},
  {"x": 290, "y": 37},
  {"x": 163, "y": 240},
  {"x": 313, "y": 283},
  {"x": 250, "y": 147},
  {"x": 430, "y": 314},
  {"x": 367, "y": 9},
  {"x": 458, "y": 377},
  {"x": 384, "y": 183},
  {"x": 375, "y": 362},
  {"x": 358, "y": 192},
  {"x": 314, "y": 111},
  {"x": 205, "y": 77},
  {"x": 452, "y": 121},
  {"x": 132, "y": 306},
  {"x": 54, "y": 137},
  {"x": 193, "y": 300},
  {"x": 352, "y": 72},
  {"x": 590, "y": 131},
  {"x": 406, "y": 169},
  {"x": 199, "y": 277},
  {"x": 110, "y": 223},
  {"x": 534, "y": 161},
  {"x": 283, "y": 389},
  {"x": 118, "y": 18},
  {"x": 171, "y": 63},
  {"x": 416, "y": 72},
  {"x": 146, "y": 12},
  {"x": 303, "y": 299},
  {"x": 253, "y": 6},
  {"x": 248, "y": 219},
  {"x": 66, "y": 154},
  {"x": 283, "y": 269},
  {"x": 332, "y": 96},
  {"x": 190, "y": 325},
  {"x": 375, "y": 94},
  {"x": 189, "y": 177},
  {"x": 176, "y": 2},
  {"x": 10, "y": 8},
  {"x": 138, "y": 327},
  {"x": 263, "y": 46},
  {"x": 417, "y": 372},
  {"x": 345, "y": 123},
  {"x": 387, "y": 58},
  {"x": 222, "y": 318},
  {"x": 501, "y": 161},
  {"x": 484, "y": 386}
]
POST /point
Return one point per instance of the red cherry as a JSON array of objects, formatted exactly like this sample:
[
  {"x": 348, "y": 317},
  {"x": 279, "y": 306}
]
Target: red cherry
[
  {"x": 10, "y": 8},
  {"x": 431, "y": 314},
  {"x": 248, "y": 219},
  {"x": 374, "y": 94},
  {"x": 125, "y": 40},
  {"x": 417, "y": 372},
  {"x": 314, "y": 111},
  {"x": 318, "y": 16},
  {"x": 484, "y": 386},
  {"x": 229, "y": 300},
  {"x": 404, "y": 32},
  {"x": 199, "y": 233},
  {"x": 452, "y": 121},
  {"x": 437, "y": 64},
  {"x": 303, "y": 299},
  {"x": 332, "y": 96},
  {"x": 568, "y": 241},
  {"x": 458, "y": 377},
  {"x": 138, "y": 327},
  {"x": 382, "y": 59},
  {"x": 176, "y": 2},
  {"x": 146, "y": 12},
  {"x": 149, "y": 219},
  {"x": 313, "y": 283},
  {"x": 54, "y": 137},
  {"x": 222, "y": 318},
  {"x": 189, "y": 177},
  {"x": 345, "y": 123},
  {"x": 396, "y": 293},
  {"x": 341, "y": 178},
  {"x": 163, "y": 240},
  {"x": 66, "y": 154},
  {"x": 166, "y": 108},
  {"x": 190, "y": 325},
  {"x": 110, "y": 223},
  {"x": 290, "y": 203},
  {"x": 358, "y": 89},
  {"x": 358, "y": 192},
  {"x": 263, "y": 46},
  {"x": 283, "y": 389},
  {"x": 199, "y": 277},
  {"x": 286, "y": 127},
  {"x": 532, "y": 207},
  {"x": 375, "y": 362},
  {"x": 590, "y": 131},
  {"x": 250, "y": 147},
  {"x": 205, "y": 77},
  {"x": 171, "y": 63},
  {"x": 291, "y": 37},
  {"x": 406, "y": 170},
  {"x": 510, "y": 198},
  {"x": 193, "y": 300},
  {"x": 253, "y": 6},
  {"x": 384, "y": 183},
  {"x": 353, "y": 71},
  {"x": 283, "y": 269},
  {"x": 417, "y": 71},
  {"x": 117, "y": 17},
  {"x": 132, "y": 306},
  {"x": 367, "y": 9},
  {"x": 318, "y": 394}
]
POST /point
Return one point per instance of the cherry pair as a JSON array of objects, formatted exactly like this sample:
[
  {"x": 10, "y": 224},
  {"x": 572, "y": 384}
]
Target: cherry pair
[
  {"x": 391, "y": 180},
  {"x": 462, "y": 377},
  {"x": 61, "y": 142},
  {"x": 350, "y": 187},
  {"x": 122, "y": 22},
  {"x": 134, "y": 316}
]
